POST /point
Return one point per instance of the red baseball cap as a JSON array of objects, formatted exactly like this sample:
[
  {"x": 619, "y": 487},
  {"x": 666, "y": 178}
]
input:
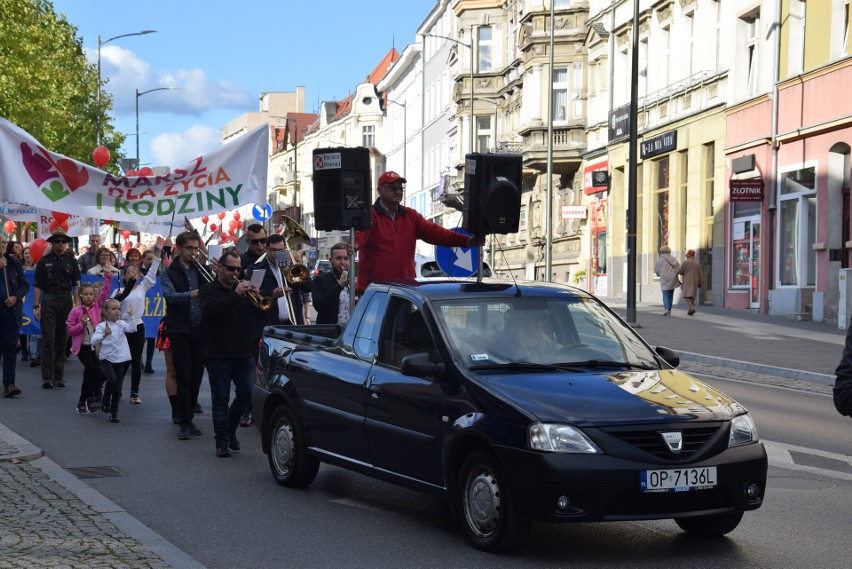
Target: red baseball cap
[{"x": 391, "y": 177}]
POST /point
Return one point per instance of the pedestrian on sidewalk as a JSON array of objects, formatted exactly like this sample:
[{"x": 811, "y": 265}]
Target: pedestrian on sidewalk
[
  {"x": 690, "y": 272},
  {"x": 111, "y": 336},
  {"x": 81, "y": 324},
  {"x": 13, "y": 285},
  {"x": 667, "y": 268},
  {"x": 843, "y": 383}
]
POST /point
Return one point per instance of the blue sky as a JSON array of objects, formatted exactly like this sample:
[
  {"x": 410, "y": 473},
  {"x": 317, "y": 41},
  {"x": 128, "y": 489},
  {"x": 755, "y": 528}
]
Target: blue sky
[{"x": 222, "y": 54}]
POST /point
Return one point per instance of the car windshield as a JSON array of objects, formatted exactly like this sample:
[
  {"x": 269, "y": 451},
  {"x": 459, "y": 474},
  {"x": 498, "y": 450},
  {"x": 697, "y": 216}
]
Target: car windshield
[{"x": 569, "y": 332}]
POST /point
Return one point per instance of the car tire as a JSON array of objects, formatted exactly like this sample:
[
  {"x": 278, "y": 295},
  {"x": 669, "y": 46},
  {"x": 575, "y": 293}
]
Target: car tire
[
  {"x": 485, "y": 505},
  {"x": 710, "y": 526},
  {"x": 291, "y": 465}
]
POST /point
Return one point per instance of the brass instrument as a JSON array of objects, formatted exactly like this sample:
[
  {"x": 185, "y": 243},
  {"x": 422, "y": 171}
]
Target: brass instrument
[
  {"x": 202, "y": 271},
  {"x": 295, "y": 235},
  {"x": 262, "y": 302}
]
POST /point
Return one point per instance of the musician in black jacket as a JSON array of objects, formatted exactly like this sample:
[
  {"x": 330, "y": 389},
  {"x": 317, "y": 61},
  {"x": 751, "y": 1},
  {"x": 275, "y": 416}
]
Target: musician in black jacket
[{"x": 328, "y": 287}]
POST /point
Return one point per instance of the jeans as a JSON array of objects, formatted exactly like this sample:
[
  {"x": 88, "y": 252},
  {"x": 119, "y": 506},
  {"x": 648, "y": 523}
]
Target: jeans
[
  {"x": 668, "y": 297},
  {"x": 35, "y": 347},
  {"x": 221, "y": 372}
]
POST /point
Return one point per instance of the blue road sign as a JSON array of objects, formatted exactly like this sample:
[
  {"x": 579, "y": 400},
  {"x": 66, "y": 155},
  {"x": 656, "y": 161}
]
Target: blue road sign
[
  {"x": 458, "y": 261},
  {"x": 261, "y": 212}
]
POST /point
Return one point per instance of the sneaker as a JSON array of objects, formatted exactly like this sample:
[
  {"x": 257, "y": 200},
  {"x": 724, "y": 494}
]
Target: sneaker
[
  {"x": 197, "y": 409},
  {"x": 134, "y": 399},
  {"x": 234, "y": 444},
  {"x": 46, "y": 384},
  {"x": 11, "y": 391},
  {"x": 113, "y": 418},
  {"x": 148, "y": 369},
  {"x": 247, "y": 420},
  {"x": 59, "y": 383},
  {"x": 92, "y": 405},
  {"x": 193, "y": 430},
  {"x": 223, "y": 452},
  {"x": 183, "y": 432},
  {"x": 82, "y": 409}
]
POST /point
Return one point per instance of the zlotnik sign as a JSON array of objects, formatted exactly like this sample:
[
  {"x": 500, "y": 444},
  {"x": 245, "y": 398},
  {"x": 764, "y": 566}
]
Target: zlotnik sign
[{"x": 747, "y": 190}]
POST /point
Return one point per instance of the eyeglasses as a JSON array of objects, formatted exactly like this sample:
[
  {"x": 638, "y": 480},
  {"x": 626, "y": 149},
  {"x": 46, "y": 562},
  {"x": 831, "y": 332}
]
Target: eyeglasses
[
  {"x": 231, "y": 268},
  {"x": 189, "y": 247},
  {"x": 61, "y": 242},
  {"x": 257, "y": 241}
]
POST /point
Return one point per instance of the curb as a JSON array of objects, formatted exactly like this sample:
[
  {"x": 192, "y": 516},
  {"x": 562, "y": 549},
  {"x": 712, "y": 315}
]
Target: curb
[
  {"x": 798, "y": 374},
  {"x": 26, "y": 450}
]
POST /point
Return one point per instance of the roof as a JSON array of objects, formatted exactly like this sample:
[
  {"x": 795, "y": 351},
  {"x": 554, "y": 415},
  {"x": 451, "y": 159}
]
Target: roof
[
  {"x": 382, "y": 68},
  {"x": 455, "y": 289}
]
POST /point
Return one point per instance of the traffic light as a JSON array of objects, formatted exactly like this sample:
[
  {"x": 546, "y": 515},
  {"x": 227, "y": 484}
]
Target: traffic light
[
  {"x": 492, "y": 193},
  {"x": 342, "y": 188}
]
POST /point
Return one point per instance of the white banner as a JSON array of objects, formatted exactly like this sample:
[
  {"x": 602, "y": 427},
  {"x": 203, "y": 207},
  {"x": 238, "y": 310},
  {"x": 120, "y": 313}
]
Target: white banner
[
  {"x": 18, "y": 212},
  {"x": 225, "y": 179}
]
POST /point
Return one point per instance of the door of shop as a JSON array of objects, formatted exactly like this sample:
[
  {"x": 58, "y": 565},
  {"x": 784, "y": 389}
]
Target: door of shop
[{"x": 747, "y": 258}]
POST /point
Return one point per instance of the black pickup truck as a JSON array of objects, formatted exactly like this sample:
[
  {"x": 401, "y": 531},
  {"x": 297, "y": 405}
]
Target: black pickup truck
[{"x": 520, "y": 402}]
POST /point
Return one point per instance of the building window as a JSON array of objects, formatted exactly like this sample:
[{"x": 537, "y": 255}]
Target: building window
[
  {"x": 560, "y": 94},
  {"x": 797, "y": 234},
  {"x": 577, "y": 83},
  {"x": 752, "y": 50},
  {"x": 666, "y": 46},
  {"x": 690, "y": 30},
  {"x": 839, "y": 28},
  {"x": 484, "y": 48},
  {"x": 661, "y": 194},
  {"x": 643, "y": 67},
  {"x": 561, "y": 4},
  {"x": 368, "y": 136},
  {"x": 682, "y": 192},
  {"x": 796, "y": 55},
  {"x": 717, "y": 11},
  {"x": 709, "y": 173},
  {"x": 483, "y": 134}
]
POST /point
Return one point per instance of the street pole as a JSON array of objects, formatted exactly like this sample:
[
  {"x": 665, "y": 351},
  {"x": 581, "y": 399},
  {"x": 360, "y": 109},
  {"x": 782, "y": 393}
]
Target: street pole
[
  {"x": 138, "y": 94},
  {"x": 100, "y": 43},
  {"x": 631, "y": 182},
  {"x": 548, "y": 226}
]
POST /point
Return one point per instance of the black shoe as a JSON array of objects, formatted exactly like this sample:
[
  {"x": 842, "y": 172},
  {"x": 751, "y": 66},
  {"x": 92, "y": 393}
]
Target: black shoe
[
  {"x": 25, "y": 357},
  {"x": 234, "y": 444},
  {"x": 35, "y": 362},
  {"x": 59, "y": 383},
  {"x": 193, "y": 430},
  {"x": 46, "y": 384},
  {"x": 105, "y": 407},
  {"x": 11, "y": 391},
  {"x": 148, "y": 369},
  {"x": 183, "y": 432},
  {"x": 248, "y": 419},
  {"x": 223, "y": 452},
  {"x": 197, "y": 409},
  {"x": 113, "y": 418}
]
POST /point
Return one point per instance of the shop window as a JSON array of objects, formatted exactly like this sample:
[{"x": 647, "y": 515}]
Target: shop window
[
  {"x": 682, "y": 193},
  {"x": 746, "y": 248},
  {"x": 661, "y": 195},
  {"x": 797, "y": 231},
  {"x": 709, "y": 174}
]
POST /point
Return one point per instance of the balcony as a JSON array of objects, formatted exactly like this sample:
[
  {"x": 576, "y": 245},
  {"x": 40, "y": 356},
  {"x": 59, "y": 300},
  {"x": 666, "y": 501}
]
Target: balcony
[{"x": 568, "y": 143}]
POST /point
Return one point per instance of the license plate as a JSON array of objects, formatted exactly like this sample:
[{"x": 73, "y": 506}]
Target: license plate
[{"x": 678, "y": 479}]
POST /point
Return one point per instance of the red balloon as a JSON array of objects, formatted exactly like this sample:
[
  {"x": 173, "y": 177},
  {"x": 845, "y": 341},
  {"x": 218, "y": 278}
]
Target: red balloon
[
  {"x": 63, "y": 225},
  {"x": 240, "y": 224},
  {"x": 37, "y": 248},
  {"x": 59, "y": 216},
  {"x": 106, "y": 221},
  {"x": 223, "y": 237},
  {"x": 100, "y": 156},
  {"x": 237, "y": 215},
  {"x": 126, "y": 234},
  {"x": 204, "y": 219},
  {"x": 126, "y": 247},
  {"x": 233, "y": 224},
  {"x": 146, "y": 171},
  {"x": 131, "y": 173},
  {"x": 213, "y": 227},
  {"x": 221, "y": 215},
  {"x": 9, "y": 226}
]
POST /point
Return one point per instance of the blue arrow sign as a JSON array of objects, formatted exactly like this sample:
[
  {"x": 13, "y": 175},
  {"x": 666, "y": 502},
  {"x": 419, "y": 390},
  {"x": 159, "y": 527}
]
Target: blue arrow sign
[
  {"x": 261, "y": 212},
  {"x": 458, "y": 261}
]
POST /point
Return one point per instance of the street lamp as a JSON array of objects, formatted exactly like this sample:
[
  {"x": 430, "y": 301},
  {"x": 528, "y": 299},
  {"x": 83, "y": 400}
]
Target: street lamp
[
  {"x": 295, "y": 163},
  {"x": 368, "y": 100},
  {"x": 100, "y": 43},
  {"x": 469, "y": 46},
  {"x": 138, "y": 94}
]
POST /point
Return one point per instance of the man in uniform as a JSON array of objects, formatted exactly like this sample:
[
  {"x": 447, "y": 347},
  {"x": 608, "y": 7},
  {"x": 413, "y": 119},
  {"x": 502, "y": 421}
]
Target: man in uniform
[{"x": 57, "y": 275}]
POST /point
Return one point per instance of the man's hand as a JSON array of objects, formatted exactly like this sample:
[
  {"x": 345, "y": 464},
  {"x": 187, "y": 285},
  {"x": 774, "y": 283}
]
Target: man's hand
[
  {"x": 11, "y": 301},
  {"x": 3, "y": 262},
  {"x": 475, "y": 241},
  {"x": 37, "y": 313},
  {"x": 243, "y": 287},
  {"x": 344, "y": 279}
]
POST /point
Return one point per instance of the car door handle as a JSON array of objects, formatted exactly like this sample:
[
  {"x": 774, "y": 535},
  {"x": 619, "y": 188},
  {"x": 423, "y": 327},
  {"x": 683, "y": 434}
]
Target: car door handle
[{"x": 375, "y": 390}]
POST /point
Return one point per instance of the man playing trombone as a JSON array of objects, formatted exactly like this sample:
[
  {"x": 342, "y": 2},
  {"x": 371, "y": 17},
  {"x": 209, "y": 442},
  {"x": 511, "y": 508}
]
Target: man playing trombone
[
  {"x": 229, "y": 348},
  {"x": 288, "y": 308},
  {"x": 181, "y": 283}
]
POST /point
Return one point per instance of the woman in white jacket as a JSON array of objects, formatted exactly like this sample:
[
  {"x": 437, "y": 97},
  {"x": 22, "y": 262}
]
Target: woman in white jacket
[{"x": 133, "y": 295}]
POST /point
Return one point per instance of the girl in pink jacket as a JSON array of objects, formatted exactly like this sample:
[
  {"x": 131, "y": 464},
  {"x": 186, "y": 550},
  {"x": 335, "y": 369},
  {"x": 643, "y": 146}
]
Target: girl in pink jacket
[{"x": 81, "y": 324}]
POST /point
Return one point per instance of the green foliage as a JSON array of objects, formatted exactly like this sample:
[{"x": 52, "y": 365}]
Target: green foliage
[
  {"x": 579, "y": 276},
  {"x": 47, "y": 87}
]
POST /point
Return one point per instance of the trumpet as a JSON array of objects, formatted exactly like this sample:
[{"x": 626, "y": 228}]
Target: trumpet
[{"x": 262, "y": 302}]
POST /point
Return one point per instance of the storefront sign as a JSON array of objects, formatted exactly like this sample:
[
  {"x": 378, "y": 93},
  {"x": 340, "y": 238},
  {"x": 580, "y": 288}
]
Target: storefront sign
[
  {"x": 574, "y": 212},
  {"x": 596, "y": 177},
  {"x": 747, "y": 190},
  {"x": 619, "y": 124},
  {"x": 661, "y": 144}
]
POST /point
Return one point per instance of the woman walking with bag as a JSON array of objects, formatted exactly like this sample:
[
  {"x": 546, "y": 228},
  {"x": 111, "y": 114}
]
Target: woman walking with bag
[{"x": 667, "y": 269}]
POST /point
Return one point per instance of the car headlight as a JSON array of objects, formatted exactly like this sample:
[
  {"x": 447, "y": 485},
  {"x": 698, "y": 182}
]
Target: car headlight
[
  {"x": 743, "y": 431},
  {"x": 551, "y": 437}
]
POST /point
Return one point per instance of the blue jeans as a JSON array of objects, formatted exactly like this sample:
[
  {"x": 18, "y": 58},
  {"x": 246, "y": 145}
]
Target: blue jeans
[
  {"x": 221, "y": 372},
  {"x": 668, "y": 297}
]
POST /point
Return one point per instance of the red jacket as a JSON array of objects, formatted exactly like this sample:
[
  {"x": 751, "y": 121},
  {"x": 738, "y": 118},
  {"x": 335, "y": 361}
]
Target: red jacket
[{"x": 386, "y": 251}]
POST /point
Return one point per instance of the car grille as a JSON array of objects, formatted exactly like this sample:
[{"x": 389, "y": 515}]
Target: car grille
[
  {"x": 651, "y": 441},
  {"x": 632, "y": 502}
]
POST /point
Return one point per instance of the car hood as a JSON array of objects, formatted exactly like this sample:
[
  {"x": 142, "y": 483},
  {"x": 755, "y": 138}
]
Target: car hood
[{"x": 613, "y": 397}]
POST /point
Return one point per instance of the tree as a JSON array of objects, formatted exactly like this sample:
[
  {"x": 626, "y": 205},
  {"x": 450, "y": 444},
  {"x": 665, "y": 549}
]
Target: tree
[{"x": 47, "y": 87}]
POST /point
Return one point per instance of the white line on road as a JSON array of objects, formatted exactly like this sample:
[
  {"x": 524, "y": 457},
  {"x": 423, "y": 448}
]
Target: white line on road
[{"x": 779, "y": 455}]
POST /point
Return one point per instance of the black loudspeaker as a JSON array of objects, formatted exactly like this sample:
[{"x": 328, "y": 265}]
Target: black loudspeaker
[
  {"x": 342, "y": 188},
  {"x": 492, "y": 193}
]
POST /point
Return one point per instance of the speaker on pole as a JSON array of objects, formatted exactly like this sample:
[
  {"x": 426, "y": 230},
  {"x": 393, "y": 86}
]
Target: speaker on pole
[
  {"x": 342, "y": 188},
  {"x": 492, "y": 193}
]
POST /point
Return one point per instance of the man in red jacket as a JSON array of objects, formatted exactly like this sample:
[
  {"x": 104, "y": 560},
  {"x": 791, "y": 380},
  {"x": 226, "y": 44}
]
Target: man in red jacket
[{"x": 386, "y": 251}]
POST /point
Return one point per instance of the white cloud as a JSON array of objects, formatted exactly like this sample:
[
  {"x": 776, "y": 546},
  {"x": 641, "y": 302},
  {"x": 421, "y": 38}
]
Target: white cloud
[{"x": 175, "y": 149}]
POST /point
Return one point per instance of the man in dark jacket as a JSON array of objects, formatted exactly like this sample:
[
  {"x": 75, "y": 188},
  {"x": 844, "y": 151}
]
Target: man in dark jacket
[
  {"x": 327, "y": 288},
  {"x": 229, "y": 348},
  {"x": 13, "y": 286},
  {"x": 180, "y": 284},
  {"x": 843, "y": 381},
  {"x": 256, "y": 241}
]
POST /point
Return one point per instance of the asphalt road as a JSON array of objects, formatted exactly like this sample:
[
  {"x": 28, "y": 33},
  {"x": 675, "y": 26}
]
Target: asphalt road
[{"x": 230, "y": 513}]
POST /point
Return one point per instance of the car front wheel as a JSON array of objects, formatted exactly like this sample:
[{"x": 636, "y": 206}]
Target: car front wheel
[
  {"x": 709, "y": 526},
  {"x": 486, "y": 507},
  {"x": 290, "y": 465}
]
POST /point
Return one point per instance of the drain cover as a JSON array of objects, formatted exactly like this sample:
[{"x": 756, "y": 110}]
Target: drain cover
[{"x": 96, "y": 472}]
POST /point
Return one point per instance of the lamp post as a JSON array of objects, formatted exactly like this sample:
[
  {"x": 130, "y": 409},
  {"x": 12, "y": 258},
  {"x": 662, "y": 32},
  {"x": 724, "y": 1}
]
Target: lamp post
[
  {"x": 100, "y": 43},
  {"x": 138, "y": 94},
  {"x": 469, "y": 46},
  {"x": 295, "y": 163}
]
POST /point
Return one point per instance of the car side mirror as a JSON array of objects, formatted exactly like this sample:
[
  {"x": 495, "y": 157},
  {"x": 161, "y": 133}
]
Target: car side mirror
[
  {"x": 419, "y": 365},
  {"x": 669, "y": 356}
]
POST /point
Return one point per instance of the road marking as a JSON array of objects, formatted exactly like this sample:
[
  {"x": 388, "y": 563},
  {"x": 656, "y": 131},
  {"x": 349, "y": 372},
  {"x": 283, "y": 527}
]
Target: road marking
[
  {"x": 779, "y": 455},
  {"x": 357, "y": 504}
]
